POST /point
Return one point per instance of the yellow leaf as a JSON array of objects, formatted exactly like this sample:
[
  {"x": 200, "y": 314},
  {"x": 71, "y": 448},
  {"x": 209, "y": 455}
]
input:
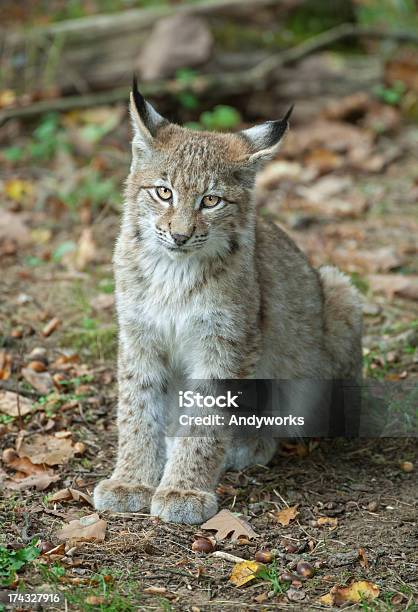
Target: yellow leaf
[
  {"x": 41, "y": 235},
  {"x": 7, "y": 98},
  {"x": 17, "y": 189},
  {"x": 327, "y": 600},
  {"x": 359, "y": 590},
  {"x": 354, "y": 593},
  {"x": 243, "y": 572},
  {"x": 286, "y": 515}
]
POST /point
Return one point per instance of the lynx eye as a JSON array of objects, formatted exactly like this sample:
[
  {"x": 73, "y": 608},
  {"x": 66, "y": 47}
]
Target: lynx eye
[
  {"x": 164, "y": 193},
  {"x": 210, "y": 201}
]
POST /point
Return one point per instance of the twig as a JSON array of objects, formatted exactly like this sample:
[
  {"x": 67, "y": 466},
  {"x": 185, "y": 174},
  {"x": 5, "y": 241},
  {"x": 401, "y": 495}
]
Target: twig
[
  {"x": 278, "y": 495},
  {"x": 220, "y": 554},
  {"x": 324, "y": 40},
  {"x": 229, "y": 83}
]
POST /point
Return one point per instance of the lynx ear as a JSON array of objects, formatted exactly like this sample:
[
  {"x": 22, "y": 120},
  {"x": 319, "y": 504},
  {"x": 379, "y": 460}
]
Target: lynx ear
[
  {"x": 265, "y": 139},
  {"x": 145, "y": 120}
]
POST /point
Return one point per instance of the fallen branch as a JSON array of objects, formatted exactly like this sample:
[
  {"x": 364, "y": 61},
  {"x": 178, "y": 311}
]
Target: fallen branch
[{"x": 255, "y": 78}]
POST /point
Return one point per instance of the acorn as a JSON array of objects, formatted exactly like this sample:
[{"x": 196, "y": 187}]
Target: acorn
[
  {"x": 17, "y": 333},
  {"x": 79, "y": 448},
  {"x": 288, "y": 577},
  {"x": 289, "y": 546},
  {"x": 297, "y": 584},
  {"x": 37, "y": 366},
  {"x": 203, "y": 545},
  {"x": 407, "y": 466},
  {"x": 263, "y": 556},
  {"x": 46, "y": 546},
  {"x": 39, "y": 353},
  {"x": 305, "y": 569}
]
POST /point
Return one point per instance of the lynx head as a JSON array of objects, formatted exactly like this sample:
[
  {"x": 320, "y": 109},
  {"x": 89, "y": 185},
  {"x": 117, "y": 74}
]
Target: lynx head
[{"x": 190, "y": 192}]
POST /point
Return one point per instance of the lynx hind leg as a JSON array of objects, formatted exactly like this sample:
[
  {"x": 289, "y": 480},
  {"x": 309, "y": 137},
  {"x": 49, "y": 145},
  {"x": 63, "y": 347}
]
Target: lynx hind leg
[
  {"x": 250, "y": 451},
  {"x": 343, "y": 322}
]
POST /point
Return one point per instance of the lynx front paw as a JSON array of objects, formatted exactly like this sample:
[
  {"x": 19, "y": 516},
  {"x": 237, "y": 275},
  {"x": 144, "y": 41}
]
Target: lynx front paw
[
  {"x": 118, "y": 496},
  {"x": 183, "y": 506}
]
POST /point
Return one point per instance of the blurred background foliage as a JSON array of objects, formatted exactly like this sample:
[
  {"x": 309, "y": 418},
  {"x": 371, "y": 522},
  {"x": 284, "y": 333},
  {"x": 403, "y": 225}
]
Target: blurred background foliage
[{"x": 63, "y": 165}]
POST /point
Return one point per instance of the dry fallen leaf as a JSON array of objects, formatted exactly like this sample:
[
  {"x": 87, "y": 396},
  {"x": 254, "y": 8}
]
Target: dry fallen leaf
[
  {"x": 354, "y": 593},
  {"x": 327, "y": 521},
  {"x": 88, "y": 528},
  {"x": 103, "y": 301},
  {"x": 40, "y": 481},
  {"x": 41, "y": 381},
  {"x": 261, "y": 598},
  {"x": 335, "y": 136},
  {"x": 363, "y": 560},
  {"x": 13, "y": 228},
  {"x": 295, "y": 594},
  {"x": 27, "y": 473},
  {"x": 244, "y": 572},
  {"x": 357, "y": 260},
  {"x": 400, "y": 285},
  {"x": 155, "y": 590},
  {"x": 225, "y": 523},
  {"x": 71, "y": 494},
  {"x": 86, "y": 249},
  {"x": 10, "y": 403},
  {"x": 95, "y": 600},
  {"x": 47, "y": 449},
  {"x": 275, "y": 172},
  {"x": 286, "y": 515},
  {"x": 5, "y": 365},
  {"x": 21, "y": 464}
]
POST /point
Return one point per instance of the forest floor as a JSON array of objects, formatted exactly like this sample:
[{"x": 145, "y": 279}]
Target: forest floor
[{"x": 346, "y": 190}]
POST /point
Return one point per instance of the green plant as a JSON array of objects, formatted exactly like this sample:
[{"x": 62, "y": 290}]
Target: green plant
[
  {"x": 47, "y": 138},
  {"x": 93, "y": 190},
  {"x": 220, "y": 118},
  {"x": 99, "y": 342},
  {"x": 5, "y": 419},
  {"x": 387, "y": 13},
  {"x": 360, "y": 283},
  {"x": 186, "y": 77},
  {"x": 107, "y": 285},
  {"x": 107, "y": 594},
  {"x": 11, "y": 561},
  {"x": 51, "y": 573},
  {"x": 270, "y": 574},
  {"x": 391, "y": 95}
]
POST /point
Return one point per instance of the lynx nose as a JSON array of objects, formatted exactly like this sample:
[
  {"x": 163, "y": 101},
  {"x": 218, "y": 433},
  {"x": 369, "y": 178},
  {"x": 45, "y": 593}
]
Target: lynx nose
[{"x": 180, "y": 239}]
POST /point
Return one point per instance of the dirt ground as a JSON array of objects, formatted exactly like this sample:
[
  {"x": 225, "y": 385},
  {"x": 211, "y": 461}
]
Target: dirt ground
[{"x": 347, "y": 192}]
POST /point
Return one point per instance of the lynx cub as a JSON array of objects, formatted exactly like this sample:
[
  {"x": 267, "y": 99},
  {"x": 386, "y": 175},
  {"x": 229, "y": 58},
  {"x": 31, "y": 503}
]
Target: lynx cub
[{"x": 207, "y": 289}]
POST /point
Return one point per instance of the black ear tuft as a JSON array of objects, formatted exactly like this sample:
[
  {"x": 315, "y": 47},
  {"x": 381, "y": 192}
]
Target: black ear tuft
[
  {"x": 289, "y": 112},
  {"x": 280, "y": 126},
  {"x": 139, "y": 99}
]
